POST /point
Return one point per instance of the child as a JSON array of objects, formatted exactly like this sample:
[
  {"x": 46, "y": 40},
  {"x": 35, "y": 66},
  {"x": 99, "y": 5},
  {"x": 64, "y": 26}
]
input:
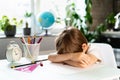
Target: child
[{"x": 73, "y": 49}]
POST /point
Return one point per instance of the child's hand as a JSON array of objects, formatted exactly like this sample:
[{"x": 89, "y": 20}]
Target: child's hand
[
  {"x": 84, "y": 59},
  {"x": 88, "y": 59},
  {"x": 81, "y": 57}
]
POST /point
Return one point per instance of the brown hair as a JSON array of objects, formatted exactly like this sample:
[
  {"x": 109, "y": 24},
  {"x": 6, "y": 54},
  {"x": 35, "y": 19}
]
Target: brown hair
[{"x": 70, "y": 40}]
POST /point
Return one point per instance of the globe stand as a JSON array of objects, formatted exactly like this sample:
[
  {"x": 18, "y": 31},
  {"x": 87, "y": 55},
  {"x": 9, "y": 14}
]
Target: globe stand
[{"x": 47, "y": 33}]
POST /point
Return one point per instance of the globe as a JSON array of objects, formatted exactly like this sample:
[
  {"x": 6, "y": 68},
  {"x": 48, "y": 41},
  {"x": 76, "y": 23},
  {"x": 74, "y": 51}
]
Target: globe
[{"x": 46, "y": 20}]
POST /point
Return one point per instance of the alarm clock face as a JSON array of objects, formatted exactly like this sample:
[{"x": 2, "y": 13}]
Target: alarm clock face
[
  {"x": 13, "y": 53},
  {"x": 17, "y": 54}
]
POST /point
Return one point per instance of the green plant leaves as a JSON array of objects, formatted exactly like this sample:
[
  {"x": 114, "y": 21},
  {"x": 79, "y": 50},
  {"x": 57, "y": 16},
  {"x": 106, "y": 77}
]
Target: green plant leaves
[
  {"x": 6, "y": 22},
  {"x": 28, "y": 14}
]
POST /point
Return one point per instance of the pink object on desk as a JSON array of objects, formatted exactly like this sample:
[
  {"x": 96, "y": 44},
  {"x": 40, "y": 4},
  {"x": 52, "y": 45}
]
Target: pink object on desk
[{"x": 29, "y": 68}]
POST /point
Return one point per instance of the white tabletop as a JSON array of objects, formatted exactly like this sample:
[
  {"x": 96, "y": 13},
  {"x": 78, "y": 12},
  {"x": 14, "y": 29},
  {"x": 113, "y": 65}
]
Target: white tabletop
[{"x": 54, "y": 71}]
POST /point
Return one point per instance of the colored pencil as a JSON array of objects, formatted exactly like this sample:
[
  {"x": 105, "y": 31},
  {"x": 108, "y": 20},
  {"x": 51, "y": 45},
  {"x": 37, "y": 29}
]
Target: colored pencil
[
  {"x": 29, "y": 40},
  {"x": 29, "y": 63},
  {"x": 39, "y": 40}
]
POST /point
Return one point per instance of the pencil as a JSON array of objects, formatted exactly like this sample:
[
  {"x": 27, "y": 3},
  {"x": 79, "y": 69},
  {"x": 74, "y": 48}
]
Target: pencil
[
  {"x": 22, "y": 40},
  {"x": 22, "y": 65},
  {"x": 27, "y": 47},
  {"x": 29, "y": 40},
  {"x": 29, "y": 63},
  {"x": 41, "y": 60}
]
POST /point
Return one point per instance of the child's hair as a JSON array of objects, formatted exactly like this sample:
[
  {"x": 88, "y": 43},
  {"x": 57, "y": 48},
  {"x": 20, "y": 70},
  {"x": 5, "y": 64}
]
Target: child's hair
[{"x": 70, "y": 41}]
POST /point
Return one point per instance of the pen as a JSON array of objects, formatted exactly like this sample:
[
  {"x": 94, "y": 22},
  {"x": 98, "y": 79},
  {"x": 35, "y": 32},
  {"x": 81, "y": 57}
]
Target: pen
[{"x": 30, "y": 63}]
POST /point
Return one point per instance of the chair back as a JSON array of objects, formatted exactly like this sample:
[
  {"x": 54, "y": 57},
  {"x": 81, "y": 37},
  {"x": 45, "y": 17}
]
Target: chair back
[{"x": 107, "y": 54}]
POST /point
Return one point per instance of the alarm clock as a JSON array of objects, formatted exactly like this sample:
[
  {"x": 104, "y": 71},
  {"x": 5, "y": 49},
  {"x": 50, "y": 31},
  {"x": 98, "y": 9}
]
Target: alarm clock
[{"x": 13, "y": 52}]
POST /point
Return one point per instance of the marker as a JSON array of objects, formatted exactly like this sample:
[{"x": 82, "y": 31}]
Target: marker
[
  {"x": 34, "y": 39},
  {"x": 39, "y": 40}
]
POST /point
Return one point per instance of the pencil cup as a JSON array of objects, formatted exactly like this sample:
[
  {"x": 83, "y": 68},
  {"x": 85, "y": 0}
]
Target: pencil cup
[{"x": 31, "y": 51}]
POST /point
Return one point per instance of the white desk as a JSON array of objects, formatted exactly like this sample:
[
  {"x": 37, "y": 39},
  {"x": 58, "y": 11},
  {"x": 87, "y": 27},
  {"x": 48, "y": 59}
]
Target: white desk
[{"x": 52, "y": 71}]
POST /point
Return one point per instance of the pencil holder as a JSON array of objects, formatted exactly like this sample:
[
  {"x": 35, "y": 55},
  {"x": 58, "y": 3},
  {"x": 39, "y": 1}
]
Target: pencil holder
[{"x": 31, "y": 51}]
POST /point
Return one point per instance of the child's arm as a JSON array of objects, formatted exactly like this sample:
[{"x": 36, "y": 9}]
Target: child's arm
[
  {"x": 65, "y": 56},
  {"x": 76, "y": 64},
  {"x": 87, "y": 59},
  {"x": 59, "y": 57},
  {"x": 78, "y": 59}
]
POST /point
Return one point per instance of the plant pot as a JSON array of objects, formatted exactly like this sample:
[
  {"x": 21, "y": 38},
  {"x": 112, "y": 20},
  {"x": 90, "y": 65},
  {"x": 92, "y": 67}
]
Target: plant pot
[
  {"x": 110, "y": 26},
  {"x": 10, "y": 31},
  {"x": 27, "y": 31}
]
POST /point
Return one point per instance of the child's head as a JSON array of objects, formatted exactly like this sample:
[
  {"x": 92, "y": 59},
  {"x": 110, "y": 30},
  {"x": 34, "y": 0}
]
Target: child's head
[{"x": 70, "y": 40}]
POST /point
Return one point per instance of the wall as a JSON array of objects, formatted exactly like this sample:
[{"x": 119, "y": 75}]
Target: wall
[{"x": 101, "y": 8}]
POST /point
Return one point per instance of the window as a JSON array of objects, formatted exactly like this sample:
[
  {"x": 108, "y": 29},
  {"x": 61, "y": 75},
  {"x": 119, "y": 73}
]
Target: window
[
  {"x": 17, "y": 8},
  {"x": 14, "y": 8},
  {"x": 57, "y": 7}
]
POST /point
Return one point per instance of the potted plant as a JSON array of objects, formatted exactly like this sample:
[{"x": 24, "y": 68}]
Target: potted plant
[
  {"x": 27, "y": 29},
  {"x": 110, "y": 21},
  {"x": 84, "y": 25},
  {"x": 9, "y": 26}
]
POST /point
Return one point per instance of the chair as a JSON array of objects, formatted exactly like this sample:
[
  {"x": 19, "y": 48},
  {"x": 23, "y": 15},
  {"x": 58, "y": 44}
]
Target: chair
[{"x": 107, "y": 54}]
